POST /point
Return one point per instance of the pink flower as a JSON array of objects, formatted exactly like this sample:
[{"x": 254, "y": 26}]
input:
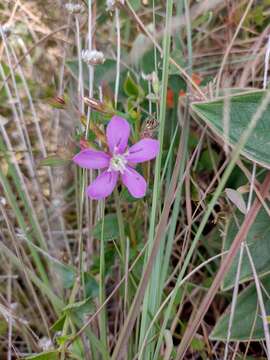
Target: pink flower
[{"x": 119, "y": 162}]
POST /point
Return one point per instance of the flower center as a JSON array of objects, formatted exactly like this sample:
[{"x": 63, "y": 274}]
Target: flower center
[{"x": 118, "y": 163}]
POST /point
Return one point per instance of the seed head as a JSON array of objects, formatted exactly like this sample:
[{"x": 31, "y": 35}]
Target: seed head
[
  {"x": 74, "y": 8},
  {"x": 45, "y": 343},
  {"x": 93, "y": 57},
  {"x": 112, "y": 4},
  {"x": 6, "y": 29},
  {"x": 3, "y": 201}
]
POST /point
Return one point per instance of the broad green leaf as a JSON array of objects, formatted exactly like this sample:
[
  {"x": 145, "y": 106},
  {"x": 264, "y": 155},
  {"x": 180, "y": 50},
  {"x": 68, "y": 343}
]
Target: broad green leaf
[
  {"x": 77, "y": 311},
  {"x": 90, "y": 285},
  {"x": 110, "y": 254},
  {"x": 66, "y": 274},
  {"x": 48, "y": 355},
  {"x": 58, "y": 325},
  {"x": 103, "y": 72},
  {"x": 206, "y": 163},
  {"x": 258, "y": 243},
  {"x": 247, "y": 322},
  {"x": 141, "y": 56},
  {"x": 62, "y": 339},
  {"x": 179, "y": 58},
  {"x": 176, "y": 83},
  {"x": 136, "y": 4},
  {"x": 110, "y": 230},
  {"x": 241, "y": 109},
  {"x": 237, "y": 199},
  {"x": 80, "y": 307},
  {"x": 132, "y": 88},
  {"x": 125, "y": 196}
]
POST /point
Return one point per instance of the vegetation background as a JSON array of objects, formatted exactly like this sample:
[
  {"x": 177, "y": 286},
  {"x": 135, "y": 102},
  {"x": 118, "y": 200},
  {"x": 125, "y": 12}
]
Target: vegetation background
[{"x": 182, "y": 273}]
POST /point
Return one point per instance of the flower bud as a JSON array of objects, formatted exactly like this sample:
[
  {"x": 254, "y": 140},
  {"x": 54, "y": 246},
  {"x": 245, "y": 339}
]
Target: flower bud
[
  {"x": 97, "y": 105},
  {"x": 58, "y": 102}
]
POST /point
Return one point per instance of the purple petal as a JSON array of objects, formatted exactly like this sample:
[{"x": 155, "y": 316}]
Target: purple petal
[
  {"x": 135, "y": 183},
  {"x": 92, "y": 159},
  {"x": 103, "y": 185},
  {"x": 145, "y": 149},
  {"x": 117, "y": 133}
]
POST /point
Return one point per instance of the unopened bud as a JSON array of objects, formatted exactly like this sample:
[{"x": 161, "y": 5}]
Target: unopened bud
[
  {"x": 96, "y": 105},
  {"x": 58, "y": 102}
]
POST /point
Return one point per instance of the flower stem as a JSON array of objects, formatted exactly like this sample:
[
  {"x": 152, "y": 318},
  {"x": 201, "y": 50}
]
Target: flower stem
[
  {"x": 152, "y": 293},
  {"x": 102, "y": 294},
  {"x": 121, "y": 226},
  {"x": 80, "y": 79},
  {"x": 117, "y": 79}
]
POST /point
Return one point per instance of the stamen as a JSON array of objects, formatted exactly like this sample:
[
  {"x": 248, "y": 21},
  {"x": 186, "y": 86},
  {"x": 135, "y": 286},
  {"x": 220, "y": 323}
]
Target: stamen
[{"x": 118, "y": 163}]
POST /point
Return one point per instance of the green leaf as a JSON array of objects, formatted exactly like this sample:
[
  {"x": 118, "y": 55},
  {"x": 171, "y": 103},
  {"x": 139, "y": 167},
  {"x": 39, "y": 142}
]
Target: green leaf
[
  {"x": 258, "y": 243},
  {"x": 178, "y": 57},
  {"x": 136, "y": 4},
  {"x": 90, "y": 285},
  {"x": 145, "y": 61},
  {"x": 127, "y": 197},
  {"x": 110, "y": 230},
  {"x": 242, "y": 108},
  {"x": 205, "y": 163},
  {"x": 247, "y": 322},
  {"x": 110, "y": 254},
  {"x": 103, "y": 72},
  {"x": 7, "y": 72},
  {"x": 197, "y": 345},
  {"x": 66, "y": 273},
  {"x": 58, "y": 325},
  {"x": 53, "y": 161},
  {"x": 3, "y": 327},
  {"x": 176, "y": 83},
  {"x": 257, "y": 16},
  {"x": 62, "y": 339},
  {"x": 131, "y": 88},
  {"x": 80, "y": 307},
  {"x": 48, "y": 355}
]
